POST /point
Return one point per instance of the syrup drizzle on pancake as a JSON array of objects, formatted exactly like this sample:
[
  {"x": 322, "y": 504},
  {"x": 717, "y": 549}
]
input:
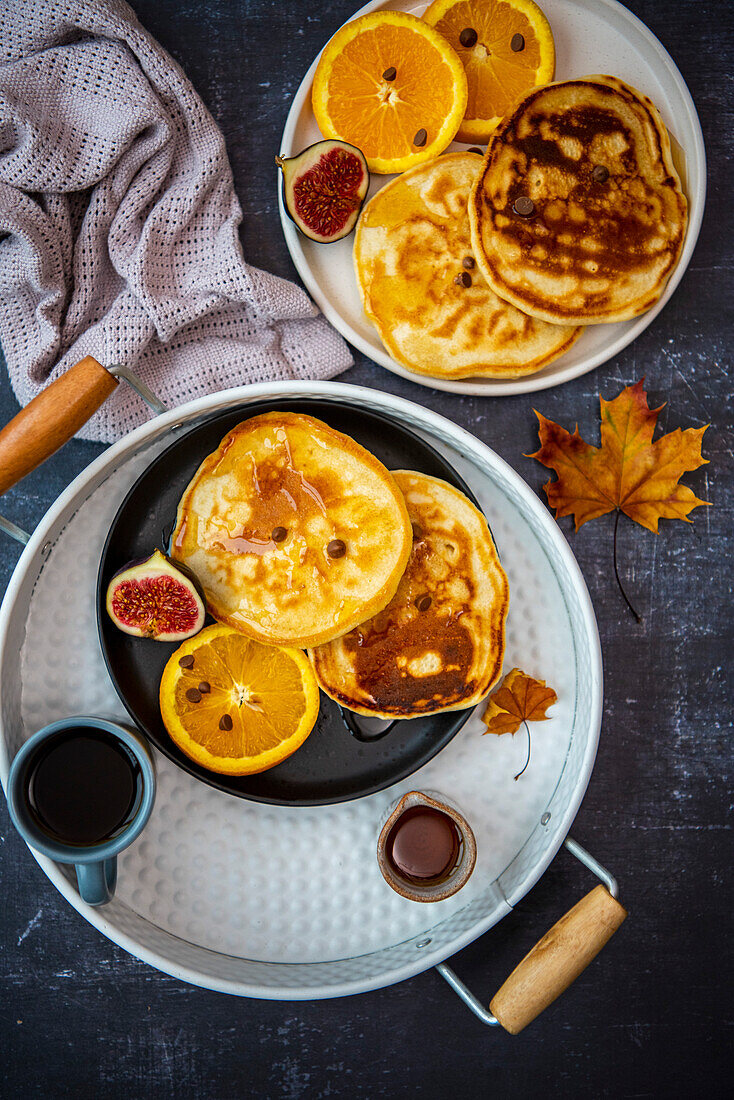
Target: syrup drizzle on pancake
[
  {"x": 295, "y": 532},
  {"x": 280, "y": 495}
]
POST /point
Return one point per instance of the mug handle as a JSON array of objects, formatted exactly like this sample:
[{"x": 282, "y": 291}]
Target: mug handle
[{"x": 97, "y": 881}]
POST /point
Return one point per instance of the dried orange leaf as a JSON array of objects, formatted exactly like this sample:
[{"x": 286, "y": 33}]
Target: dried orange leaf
[
  {"x": 519, "y": 698},
  {"x": 628, "y": 472}
]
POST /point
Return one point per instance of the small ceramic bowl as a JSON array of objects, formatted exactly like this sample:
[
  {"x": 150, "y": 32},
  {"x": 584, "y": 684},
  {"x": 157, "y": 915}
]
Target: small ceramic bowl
[{"x": 465, "y": 860}]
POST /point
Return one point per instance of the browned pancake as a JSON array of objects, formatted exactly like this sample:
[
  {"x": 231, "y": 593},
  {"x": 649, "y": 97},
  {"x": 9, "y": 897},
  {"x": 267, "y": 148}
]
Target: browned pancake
[
  {"x": 578, "y": 216},
  {"x": 439, "y": 643}
]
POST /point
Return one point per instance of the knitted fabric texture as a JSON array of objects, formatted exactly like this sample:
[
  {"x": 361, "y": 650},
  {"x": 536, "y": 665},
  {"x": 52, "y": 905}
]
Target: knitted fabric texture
[{"x": 119, "y": 223}]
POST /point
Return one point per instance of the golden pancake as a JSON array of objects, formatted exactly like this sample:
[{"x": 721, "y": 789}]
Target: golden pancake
[
  {"x": 412, "y": 257},
  {"x": 578, "y": 216},
  {"x": 439, "y": 643},
  {"x": 295, "y": 532}
]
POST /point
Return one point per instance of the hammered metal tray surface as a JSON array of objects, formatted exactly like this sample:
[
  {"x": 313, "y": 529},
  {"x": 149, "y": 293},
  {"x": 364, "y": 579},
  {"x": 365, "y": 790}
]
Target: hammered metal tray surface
[{"x": 231, "y": 893}]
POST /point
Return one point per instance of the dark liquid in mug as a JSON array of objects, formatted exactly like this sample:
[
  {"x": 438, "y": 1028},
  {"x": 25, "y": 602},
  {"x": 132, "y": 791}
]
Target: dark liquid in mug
[
  {"x": 423, "y": 845},
  {"x": 82, "y": 787}
]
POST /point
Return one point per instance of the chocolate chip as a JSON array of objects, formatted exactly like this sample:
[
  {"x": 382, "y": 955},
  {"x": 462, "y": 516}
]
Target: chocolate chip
[
  {"x": 423, "y": 603},
  {"x": 193, "y": 695},
  {"x": 468, "y": 37},
  {"x": 600, "y": 173},
  {"x": 336, "y": 548},
  {"x": 476, "y": 149},
  {"x": 205, "y": 687},
  {"x": 225, "y": 722},
  {"x": 417, "y": 532},
  {"x": 390, "y": 74},
  {"x": 279, "y": 534},
  {"x": 524, "y": 206},
  {"x": 186, "y": 661},
  {"x": 463, "y": 279},
  {"x": 517, "y": 43},
  {"x": 468, "y": 262},
  {"x": 421, "y": 137}
]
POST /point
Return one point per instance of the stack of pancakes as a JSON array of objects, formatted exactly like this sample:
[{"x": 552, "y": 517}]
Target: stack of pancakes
[
  {"x": 421, "y": 287},
  {"x": 301, "y": 537},
  {"x": 491, "y": 267}
]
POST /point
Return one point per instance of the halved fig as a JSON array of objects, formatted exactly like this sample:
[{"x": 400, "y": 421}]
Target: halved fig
[
  {"x": 324, "y": 188},
  {"x": 154, "y": 598}
]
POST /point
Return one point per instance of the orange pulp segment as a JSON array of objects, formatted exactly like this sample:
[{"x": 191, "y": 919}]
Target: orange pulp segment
[
  {"x": 513, "y": 52},
  {"x": 240, "y": 707},
  {"x": 391, "y": 85}
]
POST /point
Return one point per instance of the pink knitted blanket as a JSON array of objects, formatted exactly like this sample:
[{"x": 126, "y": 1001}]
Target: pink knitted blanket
[{"x": 119, "y": 223}]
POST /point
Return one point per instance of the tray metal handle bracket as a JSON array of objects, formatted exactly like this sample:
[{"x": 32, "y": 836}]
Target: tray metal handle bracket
[
  {"x": 571, "y": 945},
  {"x": 54, "y": 416}
]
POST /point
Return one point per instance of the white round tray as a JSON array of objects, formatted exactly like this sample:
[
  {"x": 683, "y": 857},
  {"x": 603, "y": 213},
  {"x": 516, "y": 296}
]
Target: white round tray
[
  {"x": 591, "y": 36},
  {"x": 289, "y": 903}
]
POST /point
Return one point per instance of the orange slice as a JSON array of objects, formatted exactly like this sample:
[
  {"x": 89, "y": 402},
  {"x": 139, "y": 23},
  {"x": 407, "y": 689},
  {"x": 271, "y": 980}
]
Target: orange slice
[
  {"x": 506, "y": 48},
  {"x": 391, "y": 85},
  {"x": 238, "y": 707}
]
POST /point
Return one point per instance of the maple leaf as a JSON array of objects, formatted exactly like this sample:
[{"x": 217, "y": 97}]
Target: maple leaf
[
  {"x": 628, "y": 473},
  {"x": 519, "y": 699}
]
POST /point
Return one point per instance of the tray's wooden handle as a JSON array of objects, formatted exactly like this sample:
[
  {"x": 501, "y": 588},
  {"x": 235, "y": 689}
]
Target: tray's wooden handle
[
  {"x": 51, "y": 418},
  {"x": 557, "y": 960}
]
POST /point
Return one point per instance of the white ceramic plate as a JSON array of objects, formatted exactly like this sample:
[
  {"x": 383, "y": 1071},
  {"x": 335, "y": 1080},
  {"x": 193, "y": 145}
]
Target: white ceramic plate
[{"x": 591, "y": 36}]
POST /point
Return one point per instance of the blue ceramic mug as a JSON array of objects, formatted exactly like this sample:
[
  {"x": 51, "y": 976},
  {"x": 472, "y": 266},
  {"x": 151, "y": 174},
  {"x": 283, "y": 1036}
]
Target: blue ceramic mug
[{"x": 54, "y": 793}]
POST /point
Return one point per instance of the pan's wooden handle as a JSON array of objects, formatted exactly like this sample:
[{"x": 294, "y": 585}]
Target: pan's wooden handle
[
  {"x": 51, "y": 418},
  {"x": 557, "y": 960}
]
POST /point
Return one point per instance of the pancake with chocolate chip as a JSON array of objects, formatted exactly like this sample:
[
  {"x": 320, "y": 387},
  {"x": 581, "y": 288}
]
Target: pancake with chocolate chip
[
  {"x": 578, "y": 215},
  {"x": 422, "y": 290},
  {"x": 439, "y": 643},
  {"x": 295, "y": 532}
]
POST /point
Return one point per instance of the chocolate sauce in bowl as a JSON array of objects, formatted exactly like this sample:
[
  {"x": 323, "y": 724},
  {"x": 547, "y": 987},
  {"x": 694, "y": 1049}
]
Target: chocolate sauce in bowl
[{"x": 423, "y": 845}]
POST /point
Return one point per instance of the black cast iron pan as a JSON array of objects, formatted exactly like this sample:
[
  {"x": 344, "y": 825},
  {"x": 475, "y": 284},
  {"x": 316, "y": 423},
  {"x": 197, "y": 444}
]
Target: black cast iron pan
[{"x": 339, "y": 760}]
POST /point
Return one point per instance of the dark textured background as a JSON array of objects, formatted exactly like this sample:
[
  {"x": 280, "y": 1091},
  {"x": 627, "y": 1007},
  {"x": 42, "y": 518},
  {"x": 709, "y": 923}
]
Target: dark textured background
[{"x": 652, "y": 1017}]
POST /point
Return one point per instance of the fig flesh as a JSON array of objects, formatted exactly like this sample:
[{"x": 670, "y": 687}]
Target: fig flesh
[
  {"x": 154, "y": 598},
  {"x": 324, "y": 188}
]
